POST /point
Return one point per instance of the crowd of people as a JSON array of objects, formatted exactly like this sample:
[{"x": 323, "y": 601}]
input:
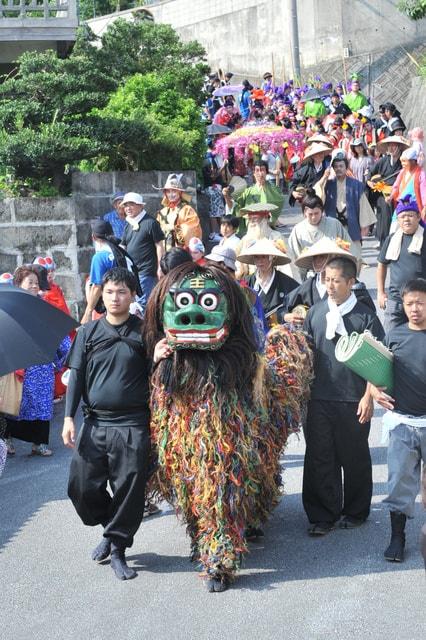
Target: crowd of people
[{"x": 350, "y": 173}]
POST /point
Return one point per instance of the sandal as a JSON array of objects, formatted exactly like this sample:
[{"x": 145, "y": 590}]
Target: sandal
[
  {"x": 150, "y": 509},
  {"x": 320, "y": 528},
  {"x": 41, "y": 450},
  {"x": 350, "y": 523}
]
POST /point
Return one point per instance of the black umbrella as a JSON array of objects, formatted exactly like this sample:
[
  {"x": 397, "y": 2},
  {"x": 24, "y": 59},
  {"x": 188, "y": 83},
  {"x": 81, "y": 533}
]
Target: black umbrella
[
  {"x": 30, "y": 329},
  {"x": 217, "y": 129},
  {"x": 315, "y": 94}
]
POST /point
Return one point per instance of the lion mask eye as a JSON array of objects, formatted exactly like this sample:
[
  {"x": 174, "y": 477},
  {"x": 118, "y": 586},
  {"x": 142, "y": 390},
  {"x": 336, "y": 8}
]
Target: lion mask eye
[
  {"x": 184, "y": 299},
  {"x": 209, "y": 301}
]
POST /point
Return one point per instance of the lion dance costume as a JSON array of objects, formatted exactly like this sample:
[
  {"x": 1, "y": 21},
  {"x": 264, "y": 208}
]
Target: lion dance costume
[{"x": 221, "y": 412}]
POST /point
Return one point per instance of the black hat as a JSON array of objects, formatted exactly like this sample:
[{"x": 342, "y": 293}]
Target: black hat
[
  {"x": 343, "y": 109},
  {"x": 101, "y": 228},
  {"x": 228, "y": 74}
]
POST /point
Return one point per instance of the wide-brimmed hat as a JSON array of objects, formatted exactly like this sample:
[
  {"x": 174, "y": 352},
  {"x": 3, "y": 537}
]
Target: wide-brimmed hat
[
  {"x": 320, "y": 138},
  {"x": 264, "y": 247},
  {"x": 174, "y": 181},
  {"x": 393, "y": 140},
  {"x": 224, "y": 255},
  {"x": 131, "y": 196},
  {"x": 258, "y": 207},
  {"x": 325, "y": 246},
  {"x": 314, "y": 148},
  {"x": 358, "y": 142}
]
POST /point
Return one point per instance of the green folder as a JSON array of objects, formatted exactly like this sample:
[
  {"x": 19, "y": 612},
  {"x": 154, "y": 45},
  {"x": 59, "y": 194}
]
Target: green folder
[{"x": 367, "y": 357}]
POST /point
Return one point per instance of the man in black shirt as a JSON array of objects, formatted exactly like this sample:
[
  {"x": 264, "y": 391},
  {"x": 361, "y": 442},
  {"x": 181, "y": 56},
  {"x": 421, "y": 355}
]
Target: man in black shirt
[
  {"x": 109, "y": 370},
  {"x": 144, "y": 241},
  {"x": 406, "y": 415},
  {"x": 405, "y": 252},
  {"x": 340, "y": 409}
]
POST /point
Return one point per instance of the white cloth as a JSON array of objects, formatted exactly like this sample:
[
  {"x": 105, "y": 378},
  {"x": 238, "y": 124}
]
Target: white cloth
[
  {"x": 392, "y": 419},
  {"x": 334, "y": 317},
  {"x": 258, "y": 286},
  {"x": 321, "y": 288},
  {"x": 394, "y": 247},
  {"x": 134, "y": 222}
]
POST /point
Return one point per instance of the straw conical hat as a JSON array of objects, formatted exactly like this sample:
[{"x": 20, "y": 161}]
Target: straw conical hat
[
  {"x": 263, "y": 247},
  {"x": 316, "y": 147},
  {"x": 393, "y": 140},
  {"x": 320, "y": 138},
  {"x": 258, "y": 207},
  {"x": 325, "y": 246}
]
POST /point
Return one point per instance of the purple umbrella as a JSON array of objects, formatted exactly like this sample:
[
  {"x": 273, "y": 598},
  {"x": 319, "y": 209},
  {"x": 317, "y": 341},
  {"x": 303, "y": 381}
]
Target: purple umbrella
[{"x": 228, "y": 90}]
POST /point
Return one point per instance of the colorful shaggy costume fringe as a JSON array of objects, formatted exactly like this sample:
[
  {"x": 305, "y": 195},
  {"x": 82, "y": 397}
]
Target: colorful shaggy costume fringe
[{"x": 219, "y": 452}]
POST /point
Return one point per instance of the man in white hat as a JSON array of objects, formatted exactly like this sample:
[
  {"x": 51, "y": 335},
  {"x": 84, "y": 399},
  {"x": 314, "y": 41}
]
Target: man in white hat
[
  {"x": 178, "y": 220},
  {"x": 311, "y": 171},
  {"x": 258, "y": 227},
  {"x": 144, "y": 241}
]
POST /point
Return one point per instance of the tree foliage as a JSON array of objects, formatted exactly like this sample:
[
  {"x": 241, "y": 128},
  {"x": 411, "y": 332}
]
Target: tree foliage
[
  {"x": 59, "y": 112},
  {"x": 414, "y": 9}
]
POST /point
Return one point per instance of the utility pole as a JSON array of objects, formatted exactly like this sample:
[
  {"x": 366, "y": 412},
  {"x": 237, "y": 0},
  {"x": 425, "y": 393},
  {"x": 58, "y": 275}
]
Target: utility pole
[{"x": 295, "y": 52}]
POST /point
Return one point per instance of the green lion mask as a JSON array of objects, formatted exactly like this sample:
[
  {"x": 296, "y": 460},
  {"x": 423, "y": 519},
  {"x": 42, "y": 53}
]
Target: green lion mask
[{"x": 195, "y": 313}]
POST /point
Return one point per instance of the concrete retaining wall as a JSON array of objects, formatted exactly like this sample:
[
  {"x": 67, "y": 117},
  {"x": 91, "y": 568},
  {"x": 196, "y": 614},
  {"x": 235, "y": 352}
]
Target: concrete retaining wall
[
  {"x": 61, "y": 226},
  {"x": 249, "y": 37}
]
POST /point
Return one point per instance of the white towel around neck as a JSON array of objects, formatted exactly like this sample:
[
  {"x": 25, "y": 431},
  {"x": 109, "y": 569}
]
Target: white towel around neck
[
  {"x": 415, "y": 246},
  {"x": 334, "y": 317}
]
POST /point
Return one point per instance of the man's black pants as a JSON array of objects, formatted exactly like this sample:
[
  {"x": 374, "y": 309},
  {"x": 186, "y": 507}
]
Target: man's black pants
[
  {"x": 335, "y": 440},
  {"x": 120, "y": 456}
]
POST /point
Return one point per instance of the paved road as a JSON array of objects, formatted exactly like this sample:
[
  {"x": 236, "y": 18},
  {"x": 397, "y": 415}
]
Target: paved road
[{"x": 291, "y": 586}]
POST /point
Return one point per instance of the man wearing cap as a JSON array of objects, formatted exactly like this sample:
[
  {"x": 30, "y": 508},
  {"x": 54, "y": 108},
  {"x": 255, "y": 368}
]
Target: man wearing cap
[
  {"x": 404, "y": 252},
  {"x": 385, "y": 170},
  {"x": 312, "y": 170},
  {"x": 178, "y": 220},
  {"x": 261, "y": 191},
  {"x": 345, "y": 199},
  {"x": 340, "y": 409},
  {"x": 143, "y": 239},
  {"x": 116, "y": 217},
  {"x": 101, "y": 262}
]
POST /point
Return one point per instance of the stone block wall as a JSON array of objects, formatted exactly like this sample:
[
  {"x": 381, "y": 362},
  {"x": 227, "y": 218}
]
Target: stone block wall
[{"x": 60, "y": 227}]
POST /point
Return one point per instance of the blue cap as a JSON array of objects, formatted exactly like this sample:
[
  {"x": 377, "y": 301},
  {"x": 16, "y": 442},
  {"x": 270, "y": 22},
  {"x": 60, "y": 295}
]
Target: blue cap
[{"x": 118, "y": 196}]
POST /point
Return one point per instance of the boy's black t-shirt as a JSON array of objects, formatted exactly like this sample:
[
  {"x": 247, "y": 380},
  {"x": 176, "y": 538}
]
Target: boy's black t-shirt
[
  {"x": 409, "y": 366},
  {"x": 334, "y": 380},
  {"x": 114, "y": 375}
]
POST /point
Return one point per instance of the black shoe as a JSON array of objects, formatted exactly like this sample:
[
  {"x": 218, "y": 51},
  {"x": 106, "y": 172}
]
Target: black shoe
[
  {"x": 251, "y": 533},
  {"x": 102, "y": 551},
  {"x": 395, "y": 550},
  {"x": 320, "y": 528},
  {"x": 217, "y": 584},
  {"x": 119, "y": 564},
  {"x": 347, "y": 522}
]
